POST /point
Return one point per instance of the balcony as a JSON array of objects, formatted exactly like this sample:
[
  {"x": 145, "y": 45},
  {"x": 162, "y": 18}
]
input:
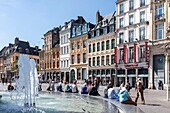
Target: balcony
[
  {"x": 131, "y": 8},
  {"x": 142, "y": 59},
  {"x": 159, "y": 17},
  {"x": 121, "y": 11},
  {"x": 131, "y": 60},
  {"x": 142, "y": 4},
  {"x": 121, "y": 61}
]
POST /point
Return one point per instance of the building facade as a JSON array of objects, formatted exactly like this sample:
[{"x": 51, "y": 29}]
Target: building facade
[
  {"x": 133, "y": 36},
  {"x": 65, "y": 34},
  {"x": 79, "y": 50},
  {"x": 10, "y": 55},
  {"x": 51, "y": 55},
  {"x": 160, "y": 46},
  {"x": 101, "y": 45}
]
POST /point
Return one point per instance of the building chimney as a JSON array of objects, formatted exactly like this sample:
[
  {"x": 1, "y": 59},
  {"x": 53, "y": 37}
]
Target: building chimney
[
  {"x": 81, "y": 19},
  {"x": 16, "y": 40},
  {"x": 98, "y": 17}
]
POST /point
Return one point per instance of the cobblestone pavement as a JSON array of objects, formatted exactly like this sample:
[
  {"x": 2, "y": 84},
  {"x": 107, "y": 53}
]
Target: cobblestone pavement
[{"x": 155, "y": 99}]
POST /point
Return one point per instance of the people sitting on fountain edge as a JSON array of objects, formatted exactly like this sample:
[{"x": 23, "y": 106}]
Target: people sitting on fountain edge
[
  {"x": 74, "y": 87},
  {"x": 84, "y": 89},
  {"x": 125, "y": 98},
  {"x": 106, "y": 90},
  {"x": 10, "y": 86},
  {"x": 59, "y": 86},
  {"x": 67, "y": 87},
  {"x": 92, "y": 90}
]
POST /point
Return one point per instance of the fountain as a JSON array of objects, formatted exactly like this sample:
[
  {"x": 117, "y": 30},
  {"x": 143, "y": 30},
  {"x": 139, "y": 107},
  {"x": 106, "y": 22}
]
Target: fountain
[
  {"x": 25, "y": 100},
  {"x": 27, "y": 82}
]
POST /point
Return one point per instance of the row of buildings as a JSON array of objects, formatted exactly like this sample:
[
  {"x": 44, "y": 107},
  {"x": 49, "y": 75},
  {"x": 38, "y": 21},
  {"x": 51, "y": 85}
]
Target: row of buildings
[{"x": 122, "y": 46}]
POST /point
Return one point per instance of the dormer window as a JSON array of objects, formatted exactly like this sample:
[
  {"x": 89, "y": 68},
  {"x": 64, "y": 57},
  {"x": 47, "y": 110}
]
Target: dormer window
[
  {"x": 97, "y": 32},
  {"x": 27, "y": 50},
  {"x": 85, "y": 28},
  {"x": 79, "y": 30},
  {"x": 73, "y": 31},
  {"x": 105, "y": 30},
  {"x": 20, "y": 49}
]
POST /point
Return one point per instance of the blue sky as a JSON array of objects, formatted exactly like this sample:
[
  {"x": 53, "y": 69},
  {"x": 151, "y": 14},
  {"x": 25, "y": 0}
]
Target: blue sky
[{"x": 30, "y": 19}]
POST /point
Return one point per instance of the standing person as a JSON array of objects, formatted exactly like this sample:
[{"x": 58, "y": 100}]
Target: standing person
[
  {"x": 96, "y": 83},
  {"x": 140, "y": 89}
]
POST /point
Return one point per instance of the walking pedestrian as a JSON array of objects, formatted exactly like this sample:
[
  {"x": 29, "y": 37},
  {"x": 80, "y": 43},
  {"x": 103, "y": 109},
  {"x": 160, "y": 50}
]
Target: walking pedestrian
[{"x": 140, "y": 89}]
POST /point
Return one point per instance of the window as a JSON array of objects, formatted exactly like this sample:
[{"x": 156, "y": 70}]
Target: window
[
  {"x": 107, "y": 45},
  {"x": 131, "y": 53},
  {"x": 61, "y": 50},
  {"x": 159, "y": 11},
  {"x": 142, "y": 16},
  {"x": 112, "y": 59},
  {"x": 64, "y": 63},
  {"x": 105, "y": 30},
  {"x": 102, "y": 60},
  {"x": 64, "y": 39},
  {"x": 79, "y": 30},
  {"x": 85, "y": 28},
  {"x": 113, "y": 43},
  {"x": 159, "y": 31},
  {"x": 64, "y": 50},
  {"x": 98, "y": 32},
  {"x": 102, "y": 45},
  {"x": 67, "y": 49},
  {"x": 142, "y": 3},
  {"x": 131, "y": 4},
  {"x": 78, "y": 45},
  {"x": 78, "y": 58},
  {"x": 131, "y": 35},
  {"x": 93, "y": 61},
  {"x": 61, "y": 63},
  {"x": 98, "y": 46},
  {"x": 84, "y": 43},
  {"x": 130, "y": 19},
  {"x": 61, "y": 40},
  {"x": 107, "y": 60},
  {"x": 121, "y": 38},
  {"x": 121, "y": 8},
  {"x": 89, "y": 61},
  {"x": 72, "y": 46},
  {"x": 121, "y": 54},
  {"x": 84, "y": 57},
  {"x": 142, "y": 33},
  {"x": 72, "y": 57},
  {"x": 98, "y": 61},
  {"x": 111, "y": 28},
  {"x": 90, "y": 48},
  {"x": 94, "y": 48},
  {"x": 67, "y": 63},
  {"x": 92, "y": 34},
  {"x": 120, "y": 22},
  {"x": 142, "y": 51}
]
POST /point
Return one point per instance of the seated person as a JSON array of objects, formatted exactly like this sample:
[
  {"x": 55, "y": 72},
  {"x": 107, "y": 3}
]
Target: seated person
[
  {"x": 67, "y": 88},
  {"x": 117, "y": 94},
  {"x": 10, "y": 87},
  {"x": 84, "y": 89},
  {"x": 111, "y": 93},
  {"x": 74, "y": 87},
  {"x": 125, "y": 98},
  {"x": 93, "y": 91},
  {"x": 106, "y": 90},
  {"x": 59, "y": 87}
]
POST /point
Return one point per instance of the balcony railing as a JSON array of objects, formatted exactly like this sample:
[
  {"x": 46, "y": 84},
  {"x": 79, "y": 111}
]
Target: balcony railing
[
  {"x": 131, "y": 60},
  {"x": 142, "y": 4},
  {"x": 131, "y": 8},
  {"x": 142, "y": 20},
  {"x": 159, "y": 17},
  {"x": 142, "y": 59},
  {"x": 121, "y": 11},
  {"x": 120, "y": 61}
]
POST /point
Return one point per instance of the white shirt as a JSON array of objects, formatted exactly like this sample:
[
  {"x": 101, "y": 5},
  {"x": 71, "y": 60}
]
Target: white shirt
[{"x": 74, "y": 89}]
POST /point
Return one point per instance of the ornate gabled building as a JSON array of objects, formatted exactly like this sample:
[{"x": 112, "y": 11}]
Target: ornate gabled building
[
  {"x": 79, "y": 49},
  {"x": 133, "y": 34},
  {"x": 160, "y": 44},
  {"x": 101, "y": 46},
  {"x": 50, "y": 56},
  {"x": 10, "y": 55}
]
